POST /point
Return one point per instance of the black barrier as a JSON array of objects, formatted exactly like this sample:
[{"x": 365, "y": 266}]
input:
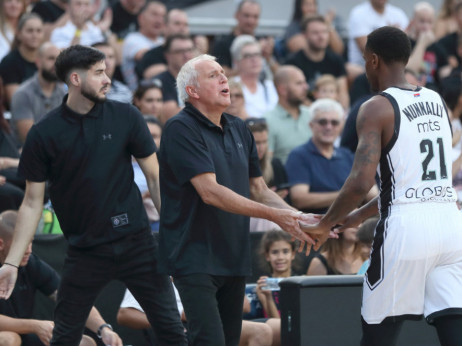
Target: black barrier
[{"x": 325, "y": 311}]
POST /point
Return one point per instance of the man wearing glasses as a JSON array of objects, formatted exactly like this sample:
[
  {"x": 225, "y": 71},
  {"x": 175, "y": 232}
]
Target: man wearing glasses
[{"x": 317, "y": 169}]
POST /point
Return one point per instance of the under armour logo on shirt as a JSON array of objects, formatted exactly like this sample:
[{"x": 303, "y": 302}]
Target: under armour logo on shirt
[
  {"x": 108, "y": 136},
  {"x": 239, "y": 145}
]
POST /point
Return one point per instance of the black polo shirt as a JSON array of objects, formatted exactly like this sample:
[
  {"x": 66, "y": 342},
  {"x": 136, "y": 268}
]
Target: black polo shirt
[
  {"x": 87, "y": 161},
  {"x": 196, "y": 237},
  {"x": 169, "y": 92}
]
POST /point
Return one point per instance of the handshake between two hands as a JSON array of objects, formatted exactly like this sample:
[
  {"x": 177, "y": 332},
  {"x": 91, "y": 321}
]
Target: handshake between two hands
[{"x": 314, "y": 232}]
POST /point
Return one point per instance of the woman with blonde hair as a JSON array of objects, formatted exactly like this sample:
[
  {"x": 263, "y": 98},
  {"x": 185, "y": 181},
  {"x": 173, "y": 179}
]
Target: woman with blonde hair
[
  {"x": 10, "y": 12},
  {"x": 446, "y": 23}
]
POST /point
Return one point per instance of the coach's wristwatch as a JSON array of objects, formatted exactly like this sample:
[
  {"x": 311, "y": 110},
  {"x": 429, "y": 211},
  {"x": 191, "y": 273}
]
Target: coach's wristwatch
[{"x": 100, "y": 328}]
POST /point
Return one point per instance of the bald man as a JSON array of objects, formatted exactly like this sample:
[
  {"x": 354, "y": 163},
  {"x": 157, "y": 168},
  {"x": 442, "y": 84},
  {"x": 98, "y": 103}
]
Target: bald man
[
  {"x": 290, "y": 114},
  {"x": 16, "y": 322}
]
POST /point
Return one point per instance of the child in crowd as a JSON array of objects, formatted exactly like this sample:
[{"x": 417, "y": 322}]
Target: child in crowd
[{"x": 277, "y": 251}]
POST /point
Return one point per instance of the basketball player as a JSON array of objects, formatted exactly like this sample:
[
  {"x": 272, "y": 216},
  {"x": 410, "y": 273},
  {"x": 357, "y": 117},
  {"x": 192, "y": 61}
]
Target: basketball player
[{"x": 416, "y": 259}]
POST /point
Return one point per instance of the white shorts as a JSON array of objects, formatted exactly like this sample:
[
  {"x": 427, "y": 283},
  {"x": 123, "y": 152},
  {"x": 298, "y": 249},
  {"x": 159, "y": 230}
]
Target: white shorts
[{"x": 416, "y": 264}]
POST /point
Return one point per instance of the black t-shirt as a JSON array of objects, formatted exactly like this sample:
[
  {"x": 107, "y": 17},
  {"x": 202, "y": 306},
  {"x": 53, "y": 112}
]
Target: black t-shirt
[
  {"x": 331, "y": 64},
  {"x": 8, "y": 145},
  {"x": 14, "y": 69},
  {"x": 196, "y": 237},
  {"x": 169, "y": 91},
  {"x": 48, "y": 11},
  {"x": 123, "y": 22},
  {"x": 449, "y": 44},
  {"x": 221, "y": 50},
  {"x": 153, "y": 56},
  {"x": 35, "y": 276},
  {"x": 87, "y": 161}
]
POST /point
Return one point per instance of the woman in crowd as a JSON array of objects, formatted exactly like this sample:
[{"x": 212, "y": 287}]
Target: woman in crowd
[
  {"x": 277, "y": 252},
  {"x": 148, "y": 99},
  {"x": 294, "y": 38},
  {"x": 237, "y": 106},
  {"x": 259, "y": 93},
  {"x": 446, "y": 22},
  {"x": 10, "y": 12},
  {"x": 339, "y": 256},
  {"x": 20, "y": 64},
  {"x": 272, "y": 169}
]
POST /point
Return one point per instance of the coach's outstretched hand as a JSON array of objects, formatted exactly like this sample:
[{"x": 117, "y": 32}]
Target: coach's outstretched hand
[
  {"x": 8, "y": 275},
  {"x": 110, "y": 337}
]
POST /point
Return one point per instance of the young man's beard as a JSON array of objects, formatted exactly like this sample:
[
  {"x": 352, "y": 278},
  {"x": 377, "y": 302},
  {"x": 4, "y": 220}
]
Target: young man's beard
[{"x": 91, "y": 95}]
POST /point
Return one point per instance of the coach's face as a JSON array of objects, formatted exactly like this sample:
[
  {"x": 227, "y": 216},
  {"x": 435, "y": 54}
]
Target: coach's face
[
  {"x": 95, "y": 83},
  {"x": 212, "y": 88}
]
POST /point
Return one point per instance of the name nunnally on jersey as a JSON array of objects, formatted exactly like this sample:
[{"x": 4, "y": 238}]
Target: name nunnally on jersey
[{"x": 419, "y": 109}]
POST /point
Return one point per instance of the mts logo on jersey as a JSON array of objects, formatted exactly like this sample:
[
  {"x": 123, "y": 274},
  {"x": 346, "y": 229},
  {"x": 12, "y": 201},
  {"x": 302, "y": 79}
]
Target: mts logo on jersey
[{"x": 420, "y": 109}]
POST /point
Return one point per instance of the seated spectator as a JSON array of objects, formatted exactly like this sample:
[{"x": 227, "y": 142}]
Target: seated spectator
[
  {"x": 151, "y": 21},
  {"x": 10, "y": 12},
  {"x": 38, "y": 95},
  {"x": 260, "y": 95},
  {"x": 272, "y": 170},
  {"x": 237, "y": 106},
  {"x": 78, "y": 29},
  {"x": 247, "y": 16},
  {"x": 153, "y": 61},
  {"x": 317, "y": 169},
  {"x": 11, "y": 187},
  {"x": 118, "y": 91},
  {"x": 19, "y": 64},
  {"x": 452, "y": 42},
  {"x": 277, "y": 251},
  {"x": 290, "y": 114},
  {"x": 35, "y": 275},
  {"x": 316, "y": 60},
  {"x": 294, "y": 38},
  {"x": 178, "y": 50},
  {"x": 131, "y": 315},
  {"x": 149, "y": 100},
  {"x": 428, "y": 59},
  {"x": 446, "y": 23},
  {"x": 53, "y": 14},
  {"x": 365, "y": 237},
  {"x": 342, "y": 256},
  {"x": 366, "y": 17},
  {"x": 125, "y": 13}
]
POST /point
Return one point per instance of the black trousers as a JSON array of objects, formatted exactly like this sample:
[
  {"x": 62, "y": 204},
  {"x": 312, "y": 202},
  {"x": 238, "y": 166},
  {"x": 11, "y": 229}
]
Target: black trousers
[
  {"x": 131, "y": 260},
  {"x": 213, "y": 307}
]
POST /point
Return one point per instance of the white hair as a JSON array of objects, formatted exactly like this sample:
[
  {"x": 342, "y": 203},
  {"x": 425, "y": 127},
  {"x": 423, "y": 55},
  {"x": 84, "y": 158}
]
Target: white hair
[
  {"x": 188, "y": 75},
  {"x": 423, "y": 6},
  {"x": 240, "y": 42},
  {"x": 325, "y": 105}
]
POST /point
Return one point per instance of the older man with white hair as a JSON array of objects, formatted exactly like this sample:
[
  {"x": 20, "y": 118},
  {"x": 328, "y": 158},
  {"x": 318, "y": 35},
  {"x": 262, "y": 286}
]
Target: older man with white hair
[
  {"x": 317, "y": 169},
  {"x": 210, "y": 187}
]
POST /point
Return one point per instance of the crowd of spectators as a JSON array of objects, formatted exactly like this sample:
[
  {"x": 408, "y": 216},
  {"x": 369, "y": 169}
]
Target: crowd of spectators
[{"x": 298, "y": 93}]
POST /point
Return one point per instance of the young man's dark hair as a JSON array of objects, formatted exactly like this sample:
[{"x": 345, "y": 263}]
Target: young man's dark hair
[
  {"x": 314, "y": 18},
  {"x": 76, "y": 57},
  {"x": 389, "y": 43},
  {"x": 174, "y": 37}
]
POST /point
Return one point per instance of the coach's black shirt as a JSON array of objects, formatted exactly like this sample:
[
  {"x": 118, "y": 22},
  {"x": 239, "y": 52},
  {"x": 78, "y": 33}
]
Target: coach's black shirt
[
  {"x": 196, "y": 237},
  {"x": 87, "y": 161}
]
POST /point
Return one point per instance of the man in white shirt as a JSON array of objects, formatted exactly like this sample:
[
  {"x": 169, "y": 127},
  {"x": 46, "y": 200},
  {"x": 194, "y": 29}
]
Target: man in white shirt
[{"x": 366, "y": 17}]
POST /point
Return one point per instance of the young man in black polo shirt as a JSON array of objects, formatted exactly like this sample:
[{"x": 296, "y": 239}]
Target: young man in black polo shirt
[
  {"x": 206, "y": 186},
  {"x": 84, "y": 149}
]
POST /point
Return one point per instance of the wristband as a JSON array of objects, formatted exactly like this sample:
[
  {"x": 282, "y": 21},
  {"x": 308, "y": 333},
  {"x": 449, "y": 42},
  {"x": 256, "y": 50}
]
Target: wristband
[
  {"x": 100, "y": 328},
  {"x": 12, "y": 265},
  {"x": 77, "y": 33}
]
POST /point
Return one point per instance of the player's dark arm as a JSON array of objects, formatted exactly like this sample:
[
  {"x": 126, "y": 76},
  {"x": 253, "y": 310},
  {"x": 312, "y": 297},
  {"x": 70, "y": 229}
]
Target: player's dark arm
[
  {"x": 370, "y": 124},
  {"x": 150, "y": 167}
]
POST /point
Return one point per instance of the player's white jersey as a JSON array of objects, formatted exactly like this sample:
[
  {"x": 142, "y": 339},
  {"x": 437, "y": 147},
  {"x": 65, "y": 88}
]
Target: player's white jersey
[{"x": 415, "y": 167}]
